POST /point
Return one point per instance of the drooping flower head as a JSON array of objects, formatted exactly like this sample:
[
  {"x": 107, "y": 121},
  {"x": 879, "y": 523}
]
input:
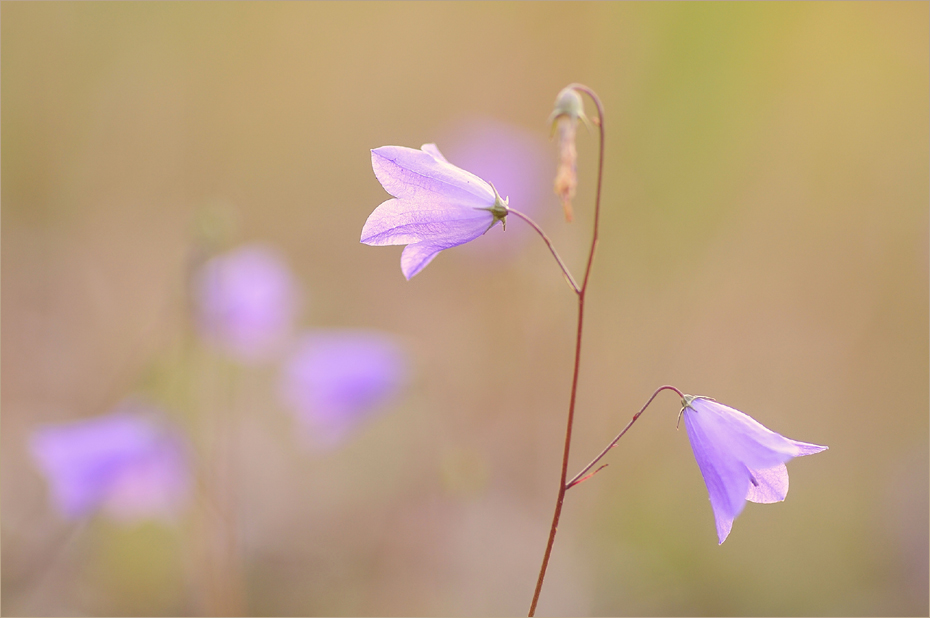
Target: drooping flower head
[
  {"x": 128, "y": 463},
  {"x": 334, "y": 380},
  {"x": 246, "y": 302},
  {"x": 436, "y": 205},
  {"x": 738, "y": 457}
]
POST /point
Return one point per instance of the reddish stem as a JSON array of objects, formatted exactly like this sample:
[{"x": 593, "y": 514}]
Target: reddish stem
[
  {"x": 577, "y": 478},
  {"x": 571, "y": 404},
  {"x": 579, "y": 481},
  {"x": 555, "y": 254}
]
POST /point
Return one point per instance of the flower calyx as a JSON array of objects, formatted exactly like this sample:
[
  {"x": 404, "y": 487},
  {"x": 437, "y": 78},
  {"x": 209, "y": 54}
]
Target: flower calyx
[
  {"x": 686, "y": 403},
  {"x": 500, "y": 208}
]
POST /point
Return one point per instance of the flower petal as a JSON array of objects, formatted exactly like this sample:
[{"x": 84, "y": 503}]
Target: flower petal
[
  {"x": 805, "y": 448},
  {"x": 768, "y": 485},
  {"x": 401, "y": 222},
  {"x": 423, "y": 175},
  {"x": 723, "y": 523},
  {"x": 726, "y": 477},
  {"x": 746, "y": 439},
  {"x": 416, "y": 256},
  {"x": 152, "y": 486},
  {"x": 433, "y": 150}
]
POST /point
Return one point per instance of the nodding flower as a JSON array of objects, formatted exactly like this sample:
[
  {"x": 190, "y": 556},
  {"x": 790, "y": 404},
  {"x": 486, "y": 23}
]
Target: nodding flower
[
  {"x": 436, "y": 205},
  {"x": 739, "y": 458}
]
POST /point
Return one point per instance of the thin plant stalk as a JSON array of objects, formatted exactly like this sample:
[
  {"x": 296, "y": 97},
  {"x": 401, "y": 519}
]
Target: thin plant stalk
[
  {"x": 578, "y": 478},
  {"x": 555, "y": 254},
  {"x": 563, "y": 485}
]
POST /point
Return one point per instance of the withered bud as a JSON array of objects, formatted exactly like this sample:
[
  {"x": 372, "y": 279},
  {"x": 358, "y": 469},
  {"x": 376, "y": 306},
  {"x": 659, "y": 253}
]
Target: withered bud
[
  {"x": 568, "y": 110},
  {"x": 566, "y": 177}
]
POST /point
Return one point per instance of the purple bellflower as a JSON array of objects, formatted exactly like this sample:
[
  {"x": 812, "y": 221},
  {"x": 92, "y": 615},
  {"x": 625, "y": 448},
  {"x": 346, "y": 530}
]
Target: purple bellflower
[
  {"x": 436, "y": 205},
  {"x": 246, "y": 302},
  {"x": 738, "y": 457},
  {"x": 126, "y": 463},
  {"x": 336, "y": 379}
]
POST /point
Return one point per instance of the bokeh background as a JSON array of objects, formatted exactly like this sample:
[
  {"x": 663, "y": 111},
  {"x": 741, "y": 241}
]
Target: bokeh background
[{"x": 764, "y": 242}]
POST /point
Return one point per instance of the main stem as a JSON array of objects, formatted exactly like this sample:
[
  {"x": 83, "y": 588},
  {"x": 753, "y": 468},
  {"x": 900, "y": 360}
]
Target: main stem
[{"x": 563, "y": 486}]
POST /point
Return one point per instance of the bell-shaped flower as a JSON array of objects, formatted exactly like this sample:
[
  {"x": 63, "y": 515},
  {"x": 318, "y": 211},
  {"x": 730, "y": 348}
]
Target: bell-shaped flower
[
  {"x": 436, "y": 205},
  {"x": 739, "y": 458},
  {"x": 127, "y": 463},
  {"x": 246, "y": 302},
  {"x": 334, "y": 380}
]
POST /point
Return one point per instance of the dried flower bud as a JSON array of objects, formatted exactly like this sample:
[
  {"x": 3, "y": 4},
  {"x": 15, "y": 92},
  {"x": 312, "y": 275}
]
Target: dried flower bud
[
  {"x": 566, "y": 177},
  {"x": 568, "y": 103},
  {"x": 568, "y": 110}
]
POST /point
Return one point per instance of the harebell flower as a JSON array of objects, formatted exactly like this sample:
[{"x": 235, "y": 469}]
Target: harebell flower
[
  {"x": 246, "y": 302},
  {"x": 739, "y": 458},
  {"x": 437, "y": 205},
  {"x": 334, "y": 380},
  {"x": 129, "y": 463}
]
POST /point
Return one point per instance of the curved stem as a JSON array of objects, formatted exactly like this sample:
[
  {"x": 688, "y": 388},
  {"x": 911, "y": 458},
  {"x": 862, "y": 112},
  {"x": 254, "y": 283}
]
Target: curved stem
[
  {"x": 600, "y": 177},
  {"x": 579, "y": 477},
  {"x": 555, "y": 254},
  {"x": 571, "y": 404}
]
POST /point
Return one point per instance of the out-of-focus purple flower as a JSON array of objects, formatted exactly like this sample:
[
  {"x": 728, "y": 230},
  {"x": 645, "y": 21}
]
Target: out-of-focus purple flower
[
  {"x": 436, "y": 205},
  {"x": 739, "y": 458},
  {"x": 128, "y": 463},
  {"x": 336, "y": 379},
  {"x": 246, "y": 302},
  {"x": 516, "y": 161}
]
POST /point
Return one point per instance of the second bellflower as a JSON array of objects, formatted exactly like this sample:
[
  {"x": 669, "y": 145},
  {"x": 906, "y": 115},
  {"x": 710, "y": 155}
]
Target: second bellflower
[
  {"x": 436, "y": 205},
  {"x": 740, "y": 459}
]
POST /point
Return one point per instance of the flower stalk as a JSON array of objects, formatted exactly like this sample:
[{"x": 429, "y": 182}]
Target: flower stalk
[
  {"x": 568, "y": 275},
  {"x": 581, "y": 292},
  {"x": 578, "y": 478}
]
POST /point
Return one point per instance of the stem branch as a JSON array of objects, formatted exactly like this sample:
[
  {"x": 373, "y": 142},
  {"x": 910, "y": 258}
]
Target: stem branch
[
  {"x": 577, "y": 478},
  {"x": 555, "y": 254}
]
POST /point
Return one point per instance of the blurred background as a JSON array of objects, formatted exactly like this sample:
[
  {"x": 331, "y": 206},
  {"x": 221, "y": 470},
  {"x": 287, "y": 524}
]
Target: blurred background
[{"x": 764, "y": 242}]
